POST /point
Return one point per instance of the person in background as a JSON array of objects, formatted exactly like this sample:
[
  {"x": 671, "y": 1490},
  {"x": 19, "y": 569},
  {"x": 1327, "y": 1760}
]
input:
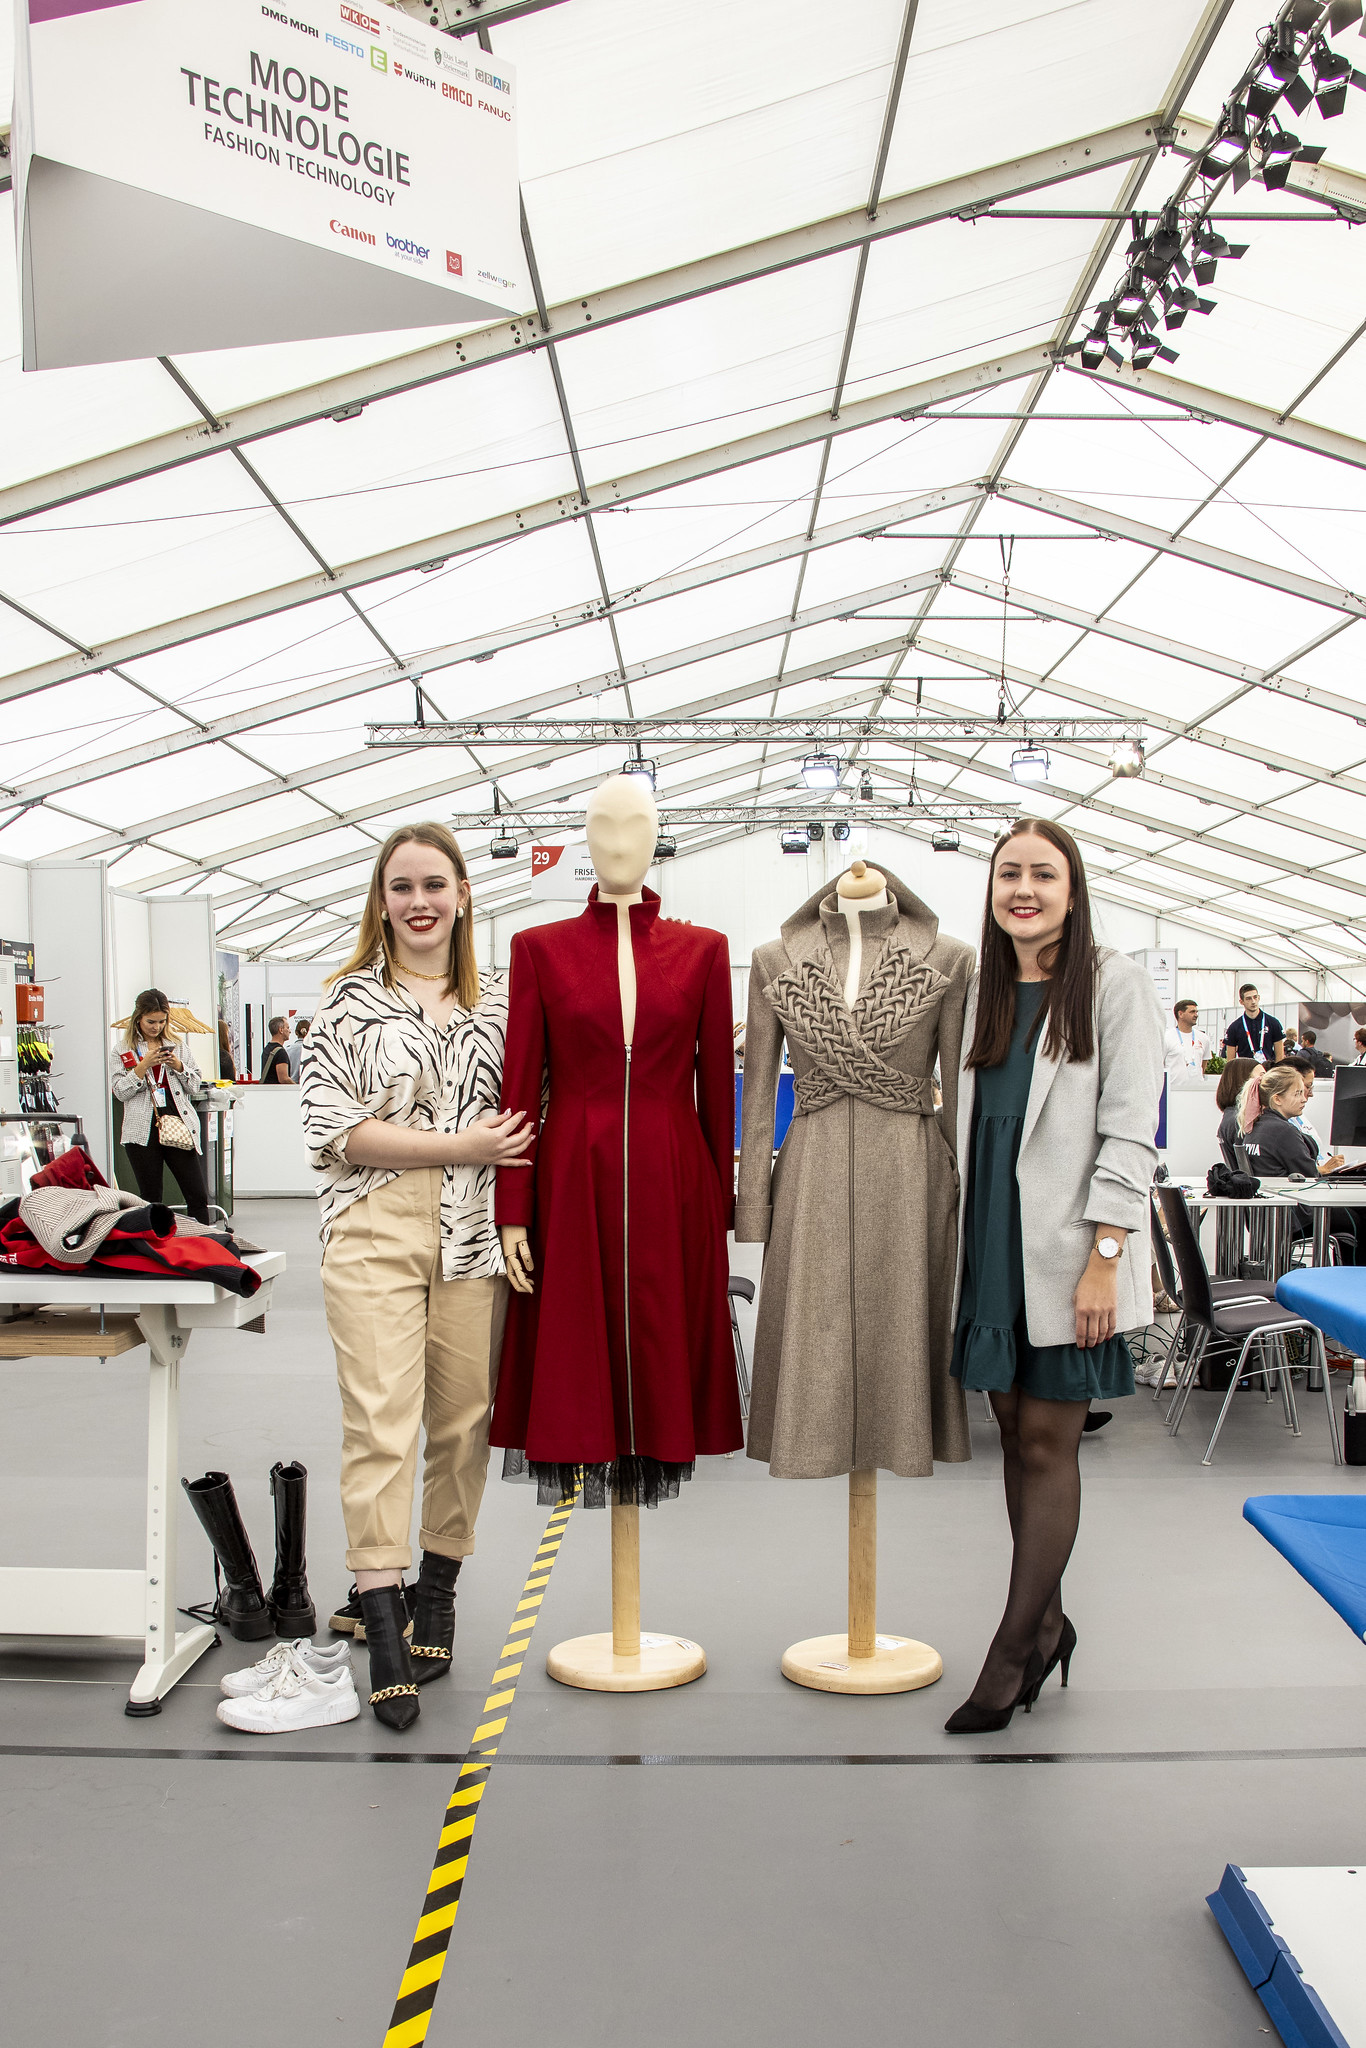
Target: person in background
[
  {"x": 1300, "y": 1062},
  {"x": 153, "y": 1078},
  {"x": 1321, "y": 1062},
  {"x": 1185, "y": 1049},
  {"x": 295, "y": 1052},
  {"x": 1360, "y": 1040},
  {"x": 275, "y": 1065},
  {"x": 1232, "y": 1082},
  {"x": 1271, "y": 1101},
  {"x": 1256, "y": 1035},
  {"x": 226, "y": 1070}
]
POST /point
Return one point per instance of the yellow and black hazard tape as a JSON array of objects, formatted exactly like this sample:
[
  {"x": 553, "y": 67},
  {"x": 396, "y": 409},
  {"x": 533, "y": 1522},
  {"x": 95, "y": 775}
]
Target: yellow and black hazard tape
[{"x": 427, "y": 1958}]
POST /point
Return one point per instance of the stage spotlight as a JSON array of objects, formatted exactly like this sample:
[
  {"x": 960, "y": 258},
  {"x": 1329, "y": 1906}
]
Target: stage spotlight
[
  {"x": 638, "y": 766},
  {"x": 1130, "y": 303},
  {"x": 1230, "y": 141},
  {"x": 1332, "y": 76},
  {"x": 1093, "y": 349},
  {"x": 815, "y": 832},
  {"x": 945, "y": 839},
  {"x": 865, "y": 789},
  {"x": 665, "y": 848},
  {"x": 1279, "y": 150},
  {"x": 821, "y": 771},
  {"x": 503, "y": 848},
  {"x": 794, "y": 840},
  {"x": 839, "y": 832},
  {"x": 1126, "y": 758},
  {"x": 1030, "y": 764}
]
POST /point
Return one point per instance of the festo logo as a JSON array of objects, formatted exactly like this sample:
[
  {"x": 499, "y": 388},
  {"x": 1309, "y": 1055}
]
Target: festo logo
[
  {"x": 402, "y": 247},
  {"x": 359, "y": 20}
]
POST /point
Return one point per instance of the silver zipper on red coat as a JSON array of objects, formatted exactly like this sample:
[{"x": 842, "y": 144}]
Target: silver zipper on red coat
[{"x": 626, "y": 1249}]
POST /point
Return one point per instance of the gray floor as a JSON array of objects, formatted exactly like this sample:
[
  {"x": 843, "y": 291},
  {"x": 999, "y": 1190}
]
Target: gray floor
[{"x": 737, "y": 1861}]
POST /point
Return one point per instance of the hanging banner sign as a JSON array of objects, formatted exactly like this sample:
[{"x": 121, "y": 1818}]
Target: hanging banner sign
[
  {"x": 225, "y": 172},
  {"x": 561, "y": 874}
]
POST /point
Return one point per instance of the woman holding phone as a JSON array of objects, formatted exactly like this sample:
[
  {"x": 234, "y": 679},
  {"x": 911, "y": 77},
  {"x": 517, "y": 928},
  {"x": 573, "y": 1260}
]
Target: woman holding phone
[
  {"x": 161, "y": 1088},
  {"x": 1057, "y": 1112}
]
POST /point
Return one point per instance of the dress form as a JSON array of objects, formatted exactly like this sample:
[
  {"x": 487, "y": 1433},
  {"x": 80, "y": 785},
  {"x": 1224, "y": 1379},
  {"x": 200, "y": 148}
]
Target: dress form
[
  {"x": 860, "y": 1660},
  {"x": 622, "y": 827}
]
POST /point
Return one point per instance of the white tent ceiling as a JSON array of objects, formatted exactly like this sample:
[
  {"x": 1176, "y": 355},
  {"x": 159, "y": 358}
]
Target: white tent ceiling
[{"x": 686, "y": 481}]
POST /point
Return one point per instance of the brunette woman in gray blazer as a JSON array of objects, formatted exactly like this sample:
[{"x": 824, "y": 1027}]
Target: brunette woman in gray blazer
[{"x": 1057, "y": 1113}]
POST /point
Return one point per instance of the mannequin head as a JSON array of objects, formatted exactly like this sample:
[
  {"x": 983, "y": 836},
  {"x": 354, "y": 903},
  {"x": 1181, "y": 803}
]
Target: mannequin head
[
  {"x": 859, "y": 883},
  {"x": 622, "y": 827}
]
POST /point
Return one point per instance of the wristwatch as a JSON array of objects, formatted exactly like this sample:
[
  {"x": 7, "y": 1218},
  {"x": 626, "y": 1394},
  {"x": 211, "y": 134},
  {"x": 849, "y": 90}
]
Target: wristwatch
[{"x": 1109, "y": 1247}]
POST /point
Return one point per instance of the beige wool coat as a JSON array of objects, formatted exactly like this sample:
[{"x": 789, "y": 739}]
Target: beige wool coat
[{"x": 859, "y": 1212}]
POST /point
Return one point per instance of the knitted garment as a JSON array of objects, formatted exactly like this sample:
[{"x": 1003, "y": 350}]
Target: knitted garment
[{"x": 72, "y": 1223}]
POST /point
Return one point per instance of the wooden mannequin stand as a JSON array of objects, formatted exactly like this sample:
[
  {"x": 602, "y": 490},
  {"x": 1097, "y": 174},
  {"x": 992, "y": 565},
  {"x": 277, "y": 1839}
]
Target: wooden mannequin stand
[
  {"x": 625, "y": 1660},
  {"x": 862, "y": 1660}
]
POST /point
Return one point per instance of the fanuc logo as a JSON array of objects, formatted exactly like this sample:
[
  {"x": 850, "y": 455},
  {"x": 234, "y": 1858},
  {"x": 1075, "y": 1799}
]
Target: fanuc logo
[{"x": 359, "y": 20}]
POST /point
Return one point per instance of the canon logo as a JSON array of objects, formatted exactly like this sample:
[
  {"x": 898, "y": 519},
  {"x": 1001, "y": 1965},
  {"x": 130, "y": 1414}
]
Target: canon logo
[
  {"x": 359, "y": 20},
  {"x": 339, "y": 227}
]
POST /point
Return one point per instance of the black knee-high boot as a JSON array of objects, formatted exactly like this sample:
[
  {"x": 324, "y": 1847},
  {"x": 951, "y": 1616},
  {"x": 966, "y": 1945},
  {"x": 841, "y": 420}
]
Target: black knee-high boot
[
  {"x": 292, "y": 1611},
  {"x": 434, "y": 1617},
  {"x": 241, "y": 1604},
  {"x": 393, "y": 1689}
]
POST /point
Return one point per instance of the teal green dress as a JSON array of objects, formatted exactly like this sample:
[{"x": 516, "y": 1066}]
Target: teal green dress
[{"x": 991, "y": 1347}]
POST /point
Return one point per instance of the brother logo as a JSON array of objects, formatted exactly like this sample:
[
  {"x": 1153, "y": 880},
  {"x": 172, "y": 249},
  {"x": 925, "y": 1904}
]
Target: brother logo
[{"x": 405, "y": 248}]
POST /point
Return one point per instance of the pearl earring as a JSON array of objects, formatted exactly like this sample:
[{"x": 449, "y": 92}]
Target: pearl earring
[{"x": 460, "y": 912}]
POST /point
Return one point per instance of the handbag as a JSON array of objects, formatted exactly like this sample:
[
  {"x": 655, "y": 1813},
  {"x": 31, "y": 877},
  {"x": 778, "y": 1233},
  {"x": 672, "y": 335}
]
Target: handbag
[{"x": 174, "y": 1134}]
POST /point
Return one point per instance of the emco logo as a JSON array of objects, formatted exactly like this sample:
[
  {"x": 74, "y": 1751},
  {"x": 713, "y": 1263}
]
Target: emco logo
[
  {"x": 339, "y": 227},
  {"x": 359, "y": 20}
]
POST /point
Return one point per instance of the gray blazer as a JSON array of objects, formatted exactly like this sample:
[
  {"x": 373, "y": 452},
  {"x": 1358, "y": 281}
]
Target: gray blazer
[
  {"x": 186, "y": 1091},
  {"x": 1086, "y": 1155}
]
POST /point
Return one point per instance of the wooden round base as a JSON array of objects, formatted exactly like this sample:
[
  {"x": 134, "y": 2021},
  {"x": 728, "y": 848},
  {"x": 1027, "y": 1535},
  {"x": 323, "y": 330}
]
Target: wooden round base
[
  {"x": 897, "y": 1665},
  {"x": 589, "y": 1662}
]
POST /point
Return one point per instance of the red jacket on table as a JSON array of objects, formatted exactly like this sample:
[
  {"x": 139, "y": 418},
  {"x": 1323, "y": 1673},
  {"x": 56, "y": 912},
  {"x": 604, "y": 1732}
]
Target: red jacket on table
[{"x": 627, "y": 1213}]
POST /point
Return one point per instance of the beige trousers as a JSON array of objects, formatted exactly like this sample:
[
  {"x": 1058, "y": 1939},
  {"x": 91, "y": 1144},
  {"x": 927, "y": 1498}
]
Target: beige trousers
[{"x": 411, "y": 1347}]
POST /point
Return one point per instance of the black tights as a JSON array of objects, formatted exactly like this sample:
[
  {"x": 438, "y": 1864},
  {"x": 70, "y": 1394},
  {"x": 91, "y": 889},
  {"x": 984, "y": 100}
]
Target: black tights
[
  {"x": 1039, "y": 1441},
  {"x": 147, "y": 1162}
]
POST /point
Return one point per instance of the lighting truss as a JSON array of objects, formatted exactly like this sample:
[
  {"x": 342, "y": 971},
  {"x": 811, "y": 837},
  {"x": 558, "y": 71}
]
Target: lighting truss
[
  {"x": 1293, "y": 65},
  {"x": 796, "y": 810},
  {"x": 724, "y": 731}
]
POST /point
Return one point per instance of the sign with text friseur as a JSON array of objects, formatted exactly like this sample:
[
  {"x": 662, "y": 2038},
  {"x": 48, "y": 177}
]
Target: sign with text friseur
[{"x": 204, "y": 174}]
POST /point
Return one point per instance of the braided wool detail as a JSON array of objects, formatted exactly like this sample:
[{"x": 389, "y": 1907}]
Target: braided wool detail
[{"x": 844, "y": 1044}]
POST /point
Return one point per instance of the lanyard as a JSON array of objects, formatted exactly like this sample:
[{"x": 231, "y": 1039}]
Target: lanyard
[{"x": 1247, "y": 1031}]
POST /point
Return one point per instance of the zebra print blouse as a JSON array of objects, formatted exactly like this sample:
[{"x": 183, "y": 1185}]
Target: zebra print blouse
[{"x": 373, "y": 1051}]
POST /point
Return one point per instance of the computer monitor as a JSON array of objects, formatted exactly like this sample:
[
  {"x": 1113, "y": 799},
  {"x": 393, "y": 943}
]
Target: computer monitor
[{"x": 1349, "y": 1107}]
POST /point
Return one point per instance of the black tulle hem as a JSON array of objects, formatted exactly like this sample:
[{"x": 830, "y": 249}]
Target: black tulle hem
[{"x": 633, "y": 1481}]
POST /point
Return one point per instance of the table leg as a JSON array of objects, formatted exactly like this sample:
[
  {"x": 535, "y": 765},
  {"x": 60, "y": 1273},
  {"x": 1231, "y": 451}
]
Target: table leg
[
  {"x": 168, "y": 1653},
  {"x": 1322, "y": 1218}
]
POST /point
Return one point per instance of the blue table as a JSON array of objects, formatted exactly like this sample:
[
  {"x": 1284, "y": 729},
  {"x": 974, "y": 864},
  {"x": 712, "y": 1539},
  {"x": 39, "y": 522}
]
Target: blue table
[
  {"x": 1324, "y": 1536},
  {"x": 1333, "y": 1298}
]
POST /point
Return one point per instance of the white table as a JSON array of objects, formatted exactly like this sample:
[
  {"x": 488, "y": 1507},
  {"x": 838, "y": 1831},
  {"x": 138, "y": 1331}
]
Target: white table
[{"x": 92, "y": 1601}]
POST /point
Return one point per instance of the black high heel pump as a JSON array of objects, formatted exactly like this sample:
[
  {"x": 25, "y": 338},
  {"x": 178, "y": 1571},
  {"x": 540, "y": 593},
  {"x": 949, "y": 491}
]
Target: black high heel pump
[
  {"x": 1062, "y": 1654},
  {"x": 973, "y": 1720}
]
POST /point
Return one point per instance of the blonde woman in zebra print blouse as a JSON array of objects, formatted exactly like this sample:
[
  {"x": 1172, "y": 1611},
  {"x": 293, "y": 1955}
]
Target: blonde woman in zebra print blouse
[{"x": 400, "y": 1079}]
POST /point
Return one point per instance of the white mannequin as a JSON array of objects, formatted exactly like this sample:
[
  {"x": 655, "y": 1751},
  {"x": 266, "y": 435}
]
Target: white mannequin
[
  {"x": 859, "y": 889},
  {"x": 622, "y": 826}
]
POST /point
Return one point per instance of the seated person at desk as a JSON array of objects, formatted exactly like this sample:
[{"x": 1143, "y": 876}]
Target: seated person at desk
[
  {"x": 1232, "y": 1082},
  {"x": 1322, "y": 1062},
  {"x": 275, "y": 1065},
  {"x": 1277, "y": 1146},
  {"x": 1256, "y": 1034}
]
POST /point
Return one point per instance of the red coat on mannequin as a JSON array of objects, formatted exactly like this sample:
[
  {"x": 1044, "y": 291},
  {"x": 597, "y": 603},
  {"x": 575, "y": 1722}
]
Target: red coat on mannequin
[{"x": 622, "y": 1357}]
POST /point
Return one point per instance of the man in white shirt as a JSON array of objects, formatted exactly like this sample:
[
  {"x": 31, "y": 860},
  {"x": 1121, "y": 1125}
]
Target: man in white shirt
[{"x": 1186, "y": 1049}]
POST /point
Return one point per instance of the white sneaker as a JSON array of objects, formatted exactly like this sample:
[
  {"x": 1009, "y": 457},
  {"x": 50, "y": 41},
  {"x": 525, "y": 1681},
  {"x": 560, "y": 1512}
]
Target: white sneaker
[
  {"x": 295, "y": 1698},
  {"x": 255, "y": 1677}
]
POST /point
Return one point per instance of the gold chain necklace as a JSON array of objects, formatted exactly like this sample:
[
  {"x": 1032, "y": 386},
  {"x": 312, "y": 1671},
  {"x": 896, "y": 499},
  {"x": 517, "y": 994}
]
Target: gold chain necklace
[{"x": 418, "y": 975}]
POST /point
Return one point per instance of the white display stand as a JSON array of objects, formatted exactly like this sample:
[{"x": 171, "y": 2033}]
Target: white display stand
[
  {"x": 268, "y": 1143},
  {"x": 41, "y": 1600}
]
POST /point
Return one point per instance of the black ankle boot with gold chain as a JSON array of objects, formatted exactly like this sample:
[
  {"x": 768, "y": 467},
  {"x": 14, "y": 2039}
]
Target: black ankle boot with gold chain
[
  {"x": 434, "y": 1617},
  {"x": 393, "y": 1689}
]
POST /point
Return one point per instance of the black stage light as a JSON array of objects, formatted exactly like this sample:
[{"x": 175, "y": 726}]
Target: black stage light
[
  {"x": 665, "y": 848},
  {"x": 839, "y": 832},
  {"x": 1279, "y": 149},
  {"x": 1332, "y": 76},
  {"x": 865, "y": 788},
  {"x": 1279, "y": 66},
  {"x": 502, "y": 848},
  {"x": 1230, "y": 141},
  {"x": 945, "y": 839},
  {"x": 1093, "y": 349},
  {"x": 794, "y": 839},
  {"x": 1130, "y": 302},
  {"x": 815, "y": 832},
  {"x": 1143, "y": 347}
]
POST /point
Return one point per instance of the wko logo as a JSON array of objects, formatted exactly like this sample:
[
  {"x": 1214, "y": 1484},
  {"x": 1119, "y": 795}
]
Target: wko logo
[{"x": 359, "y": 20}]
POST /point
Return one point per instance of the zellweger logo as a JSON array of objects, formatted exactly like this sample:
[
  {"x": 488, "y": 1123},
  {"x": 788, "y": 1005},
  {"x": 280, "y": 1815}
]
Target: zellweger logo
[
  {"x": 413, "y": 251},
  {"x": 339, "y": 227},
  {"x": 491, "y": 78},
  {"x": 359, "y": 20}
]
